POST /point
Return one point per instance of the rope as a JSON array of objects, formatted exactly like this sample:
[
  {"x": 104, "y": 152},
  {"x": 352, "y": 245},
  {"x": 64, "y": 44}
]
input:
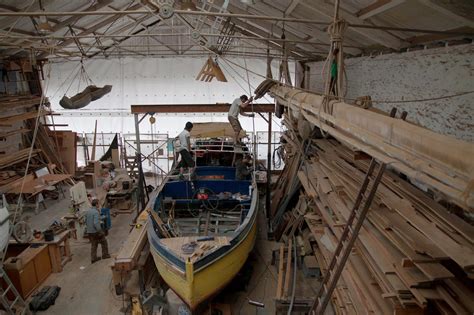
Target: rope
[
  {"x": 253, "y": 113},
  {"x": 243, "y": 89}
]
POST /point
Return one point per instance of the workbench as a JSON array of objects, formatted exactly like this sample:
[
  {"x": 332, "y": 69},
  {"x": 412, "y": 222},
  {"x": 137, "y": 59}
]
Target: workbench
[
  {"x": 34, "y": 187},
  {"x": 59, "y": 250}
]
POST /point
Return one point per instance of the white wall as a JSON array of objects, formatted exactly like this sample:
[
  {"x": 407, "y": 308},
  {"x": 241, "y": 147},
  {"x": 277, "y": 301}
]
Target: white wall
[
  {"x": 414, "y": 75},
  {"x": 149, "y": 81}
]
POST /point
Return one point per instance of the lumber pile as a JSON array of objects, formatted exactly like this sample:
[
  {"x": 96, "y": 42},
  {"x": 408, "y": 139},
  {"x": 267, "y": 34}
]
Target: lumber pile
[
  {"x": 18, "y": 119},
  {"x": 414, "y": 253},
  {"x": 411, "y": 254},
  {"x": 442, "y": 163}
]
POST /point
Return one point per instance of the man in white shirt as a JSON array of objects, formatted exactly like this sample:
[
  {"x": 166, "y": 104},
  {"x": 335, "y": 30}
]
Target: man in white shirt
[
  {"x": 236, "y": 108},
  {"x": 184, "y": 149}
]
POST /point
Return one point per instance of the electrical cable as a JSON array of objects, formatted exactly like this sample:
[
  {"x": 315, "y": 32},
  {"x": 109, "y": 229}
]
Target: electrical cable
[{"x": 293, "y": 290}]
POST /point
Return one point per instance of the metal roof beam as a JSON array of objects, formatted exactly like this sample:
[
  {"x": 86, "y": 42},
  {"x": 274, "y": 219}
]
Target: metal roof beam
[{"x": 94, "y": 28}]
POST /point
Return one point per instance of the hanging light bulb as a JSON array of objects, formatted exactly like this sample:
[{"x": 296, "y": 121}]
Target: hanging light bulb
[
  {"x": 43, "y": 25},
  {"x": 188, "y": 5}
]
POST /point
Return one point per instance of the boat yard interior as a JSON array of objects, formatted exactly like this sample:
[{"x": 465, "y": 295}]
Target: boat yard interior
[{"x": 237, "y": 157}]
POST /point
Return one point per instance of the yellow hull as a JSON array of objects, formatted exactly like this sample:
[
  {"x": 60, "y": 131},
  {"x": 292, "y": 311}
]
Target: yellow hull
[{"x": 194, "y": 287}]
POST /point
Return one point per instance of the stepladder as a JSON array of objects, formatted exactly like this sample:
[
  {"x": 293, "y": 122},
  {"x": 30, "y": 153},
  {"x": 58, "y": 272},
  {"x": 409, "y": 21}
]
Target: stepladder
[
  {"x": 346, "y": 242},
  {"x": 12, "y": 302}
]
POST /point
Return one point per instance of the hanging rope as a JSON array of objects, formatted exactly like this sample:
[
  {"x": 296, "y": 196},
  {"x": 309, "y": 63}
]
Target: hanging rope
[
  {"x": 253, "y": 113},
  {"x": 334, "y": 87}
]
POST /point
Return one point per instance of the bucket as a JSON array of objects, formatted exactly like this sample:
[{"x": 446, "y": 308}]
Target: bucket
[{"x": 48, "y": 235}]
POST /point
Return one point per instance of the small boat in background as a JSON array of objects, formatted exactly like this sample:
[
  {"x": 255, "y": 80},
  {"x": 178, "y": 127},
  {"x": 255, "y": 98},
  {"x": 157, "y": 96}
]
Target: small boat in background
[{"x": 203, "y": 230}]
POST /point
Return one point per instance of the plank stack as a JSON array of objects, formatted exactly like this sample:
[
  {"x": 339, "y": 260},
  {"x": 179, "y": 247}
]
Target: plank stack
[
  {"x": 19, "y": 117},
  {"x": 412, "y": 254}
]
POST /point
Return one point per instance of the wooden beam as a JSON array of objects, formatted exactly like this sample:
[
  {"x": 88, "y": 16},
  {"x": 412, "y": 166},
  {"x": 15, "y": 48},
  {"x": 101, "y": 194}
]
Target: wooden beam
[
  {"x": 435, "y": 6},
  {"x": 291, "y": 7},
  {"x": 440, "y": 162},
  {"x": 378, "y": 36},
  {"x": 377, "y": 7},
  {"x": 435, "y": 37},
  {"x": 197, "y": 108}
]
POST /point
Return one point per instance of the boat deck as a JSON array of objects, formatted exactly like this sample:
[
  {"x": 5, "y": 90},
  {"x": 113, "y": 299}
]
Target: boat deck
[{"x": 191, "y": 247}]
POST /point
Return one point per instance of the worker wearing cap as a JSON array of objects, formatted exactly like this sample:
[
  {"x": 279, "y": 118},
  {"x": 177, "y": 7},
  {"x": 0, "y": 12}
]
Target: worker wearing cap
[
  {"x": 95, "y": 232},
  {"x": 236, "y": 108}
]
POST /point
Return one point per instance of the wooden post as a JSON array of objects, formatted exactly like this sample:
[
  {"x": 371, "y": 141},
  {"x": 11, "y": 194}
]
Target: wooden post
[
  {"x": 269, "y": 165},
  {"x": 94, "y": 142}
]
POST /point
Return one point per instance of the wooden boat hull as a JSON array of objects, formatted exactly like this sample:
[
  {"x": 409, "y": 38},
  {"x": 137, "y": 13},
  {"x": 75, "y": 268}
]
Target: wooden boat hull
[
  {"x": 197, "y": 282},
  {"x": 198, "y": 287}
]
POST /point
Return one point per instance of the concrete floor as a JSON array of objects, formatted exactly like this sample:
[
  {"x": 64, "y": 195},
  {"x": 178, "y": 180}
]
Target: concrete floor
[{"x": 87, "y": 289}]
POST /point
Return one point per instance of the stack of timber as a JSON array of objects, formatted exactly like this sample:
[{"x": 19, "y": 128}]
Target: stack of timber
[
  {"x": 441, "y": 163},
  {"x": 412, "y": 255},
  {"x": 19, "y": 115},
  {"x": 415, "y": 251}
]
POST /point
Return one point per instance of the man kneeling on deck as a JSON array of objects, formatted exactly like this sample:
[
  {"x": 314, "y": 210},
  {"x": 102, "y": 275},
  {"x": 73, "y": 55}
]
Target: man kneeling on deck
[
  {"x": 184, "y": 149},
  {"x": 95, "y": 233}
]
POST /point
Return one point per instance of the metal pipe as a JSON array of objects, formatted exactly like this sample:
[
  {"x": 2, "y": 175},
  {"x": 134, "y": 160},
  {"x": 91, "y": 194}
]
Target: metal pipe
[
  {"x": 272, "y": 39},
  {"x": 184, "y": 12},
  {"x": 231, "y": 15}
]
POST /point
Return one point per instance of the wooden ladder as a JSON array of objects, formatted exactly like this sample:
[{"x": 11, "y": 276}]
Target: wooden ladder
[
  {"x": 347, "y": 240},
  {"x": 11, "y": 306}
]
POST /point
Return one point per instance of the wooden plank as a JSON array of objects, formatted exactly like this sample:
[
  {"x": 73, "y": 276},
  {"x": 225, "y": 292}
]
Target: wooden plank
[
  {"x": 10, "y": 120},
  {"x": 279, "y": 292},
  {"x": 434, "y": 271},
  {"x": 457, "y": 308}
]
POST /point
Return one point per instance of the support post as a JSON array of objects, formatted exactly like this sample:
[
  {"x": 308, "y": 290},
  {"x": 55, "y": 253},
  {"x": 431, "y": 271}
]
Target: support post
[
  {"x": 269, "y": 164},
  {"x": 138, "y": 157}
]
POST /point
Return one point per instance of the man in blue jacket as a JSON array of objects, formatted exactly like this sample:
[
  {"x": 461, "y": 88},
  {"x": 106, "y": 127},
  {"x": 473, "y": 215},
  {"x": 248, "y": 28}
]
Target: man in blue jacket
[{"x": 95, "y": 232}]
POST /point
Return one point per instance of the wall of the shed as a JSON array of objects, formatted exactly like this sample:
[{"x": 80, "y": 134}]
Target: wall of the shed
[
  {"x": 416, "y": 75},
  {"x": 150, "y": 81}
]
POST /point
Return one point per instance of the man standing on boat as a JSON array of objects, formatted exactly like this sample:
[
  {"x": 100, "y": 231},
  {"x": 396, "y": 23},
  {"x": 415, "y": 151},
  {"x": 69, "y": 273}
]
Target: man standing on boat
[
  {"x": 235, "y": 109},
  {"x": 184, "y": 149}
]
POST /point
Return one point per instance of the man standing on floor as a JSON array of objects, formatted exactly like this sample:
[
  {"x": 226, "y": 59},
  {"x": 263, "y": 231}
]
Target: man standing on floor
[
  {"x": 184, "y": 149},
  {"x": 235, "y": 109},
  {"x": 95, "y": 232}
]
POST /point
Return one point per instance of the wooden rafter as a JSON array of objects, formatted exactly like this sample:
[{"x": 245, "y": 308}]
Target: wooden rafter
[
  {"x": 377, "y": 7},
  {"x": 379, "y": 36}
]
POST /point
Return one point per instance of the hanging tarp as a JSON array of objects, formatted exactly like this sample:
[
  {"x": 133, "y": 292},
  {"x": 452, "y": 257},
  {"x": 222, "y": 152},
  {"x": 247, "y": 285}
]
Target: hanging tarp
[
  {"x": 89, "y": 94},
  {"x": 108, "y": 155}
]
